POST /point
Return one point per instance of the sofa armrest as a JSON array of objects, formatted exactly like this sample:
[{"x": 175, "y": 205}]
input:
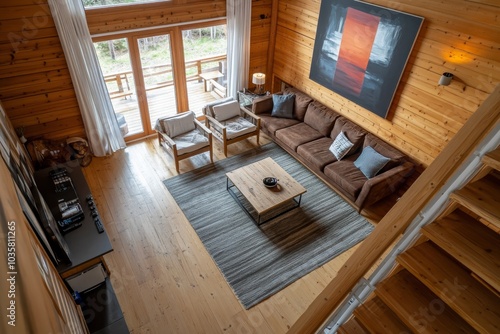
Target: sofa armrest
[
  {"x": 262, "y": 105},
  {"x": 383, "y": 185}
]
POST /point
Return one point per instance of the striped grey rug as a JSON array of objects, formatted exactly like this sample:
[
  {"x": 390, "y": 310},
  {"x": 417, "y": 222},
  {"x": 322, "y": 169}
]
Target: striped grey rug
[{"x": 258, "y": 262}]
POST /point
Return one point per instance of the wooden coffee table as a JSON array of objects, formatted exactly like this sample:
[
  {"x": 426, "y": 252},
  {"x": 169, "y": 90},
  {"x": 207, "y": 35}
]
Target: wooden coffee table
[{"x": 248, "y": 180}]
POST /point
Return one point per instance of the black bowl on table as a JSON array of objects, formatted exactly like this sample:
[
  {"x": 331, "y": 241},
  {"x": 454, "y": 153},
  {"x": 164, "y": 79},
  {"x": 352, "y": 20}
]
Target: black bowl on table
[{"x": 270, "y": 182}]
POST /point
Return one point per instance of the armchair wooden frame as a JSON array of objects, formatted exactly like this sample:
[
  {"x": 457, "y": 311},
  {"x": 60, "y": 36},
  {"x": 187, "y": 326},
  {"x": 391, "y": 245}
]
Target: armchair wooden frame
[
  {"x": 171, "y": 146},
  {"x": 220, "y": 132}
]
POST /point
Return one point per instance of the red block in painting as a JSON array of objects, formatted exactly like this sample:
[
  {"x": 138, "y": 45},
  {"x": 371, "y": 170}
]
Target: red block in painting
[{"x": 357, "y": 41}]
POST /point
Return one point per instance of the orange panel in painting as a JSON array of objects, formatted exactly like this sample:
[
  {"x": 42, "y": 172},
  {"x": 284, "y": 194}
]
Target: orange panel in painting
[{"x": 357, "y": 39}]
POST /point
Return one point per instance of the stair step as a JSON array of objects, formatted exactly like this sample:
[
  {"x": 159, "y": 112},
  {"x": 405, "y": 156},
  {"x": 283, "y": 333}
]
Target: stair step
[
  {"x": 470, "y": 242},
  {"x": 481, "y": 197},
  {"x": 352, "y": 326},
  {"x": 454, "y": 285},
  {"x": 420, "y": 309},
  {"x": 492, "y": 159},
  {"x": 377, "y": 317}
]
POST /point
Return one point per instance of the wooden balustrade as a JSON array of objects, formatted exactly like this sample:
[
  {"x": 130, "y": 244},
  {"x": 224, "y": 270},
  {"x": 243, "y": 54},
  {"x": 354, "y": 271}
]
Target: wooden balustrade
[
  {"x": 120, "y": 77},
  {"x": 479, "y": 125}
]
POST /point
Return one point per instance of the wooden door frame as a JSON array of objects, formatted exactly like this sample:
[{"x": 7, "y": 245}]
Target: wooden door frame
[{"x": 178, "y": 66}]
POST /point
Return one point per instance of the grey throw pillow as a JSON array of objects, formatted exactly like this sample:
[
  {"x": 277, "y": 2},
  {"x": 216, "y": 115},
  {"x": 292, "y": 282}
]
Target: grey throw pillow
[
  {"x": 370, "y": 162},
  {"x": 283, "y": 105}
]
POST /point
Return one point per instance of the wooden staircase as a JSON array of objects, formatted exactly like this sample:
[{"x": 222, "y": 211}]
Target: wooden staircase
[{"x": 448, "y": 282}]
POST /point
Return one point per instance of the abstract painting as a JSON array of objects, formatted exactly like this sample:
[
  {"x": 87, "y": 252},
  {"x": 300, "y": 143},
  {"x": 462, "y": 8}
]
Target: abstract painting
[{"x": 361, "y": 51}]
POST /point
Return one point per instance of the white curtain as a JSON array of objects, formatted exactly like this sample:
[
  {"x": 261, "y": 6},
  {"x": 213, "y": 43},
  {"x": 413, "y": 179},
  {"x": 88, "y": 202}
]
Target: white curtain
[
  {"x": 239, "y": 14},
  {"x": 97, "y": 111}
]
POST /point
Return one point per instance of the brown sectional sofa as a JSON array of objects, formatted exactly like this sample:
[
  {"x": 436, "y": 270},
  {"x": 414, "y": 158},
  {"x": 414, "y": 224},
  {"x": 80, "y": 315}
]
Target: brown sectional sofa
[{"x": 309, "y": 135}]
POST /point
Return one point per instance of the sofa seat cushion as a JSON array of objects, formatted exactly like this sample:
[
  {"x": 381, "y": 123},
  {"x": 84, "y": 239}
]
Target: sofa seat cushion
[
  {"x": 238, "y": 126},
  {"x": 302, "y": 100},
  {"x": 190, "y": 141},
  {"x": 272, "y": 124},
  {"x": 317, "y": 152},
  {"x": 297, "y": 134},
  {"x": 320, "y": 118},
  {"x": 346, "y": 176}
]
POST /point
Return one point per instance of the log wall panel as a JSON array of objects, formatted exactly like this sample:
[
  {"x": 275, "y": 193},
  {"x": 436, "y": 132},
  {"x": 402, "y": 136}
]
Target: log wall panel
[
  {"x": 35, "y": 86},
  {"x": 459, "y": 37},
  {"x": 259, "y": 40},
  {"x": 120, "y": 18}
]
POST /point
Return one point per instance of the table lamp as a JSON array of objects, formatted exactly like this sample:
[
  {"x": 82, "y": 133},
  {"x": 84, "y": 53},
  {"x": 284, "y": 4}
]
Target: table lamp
[{"x": 259, "y": 79}]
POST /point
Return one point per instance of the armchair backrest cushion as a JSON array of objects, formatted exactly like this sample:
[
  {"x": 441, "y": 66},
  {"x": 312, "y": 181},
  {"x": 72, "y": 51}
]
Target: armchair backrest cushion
[
  {"x": 226, "y": 110},
  {"x": 179, "y": 124},
  {"x": 208, "y": 108}
]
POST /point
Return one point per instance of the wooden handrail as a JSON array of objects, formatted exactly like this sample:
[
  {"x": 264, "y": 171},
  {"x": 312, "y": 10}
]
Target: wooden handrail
[
  {"x": 402, "y": 214},
  {"x": 118, "y": 76}
]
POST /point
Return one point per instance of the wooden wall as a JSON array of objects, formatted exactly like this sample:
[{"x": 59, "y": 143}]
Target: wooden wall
[
  {"x": 35, "y": 86},
  {"x": 457, "y": 36},
  {"x": 260, "y": 40}
]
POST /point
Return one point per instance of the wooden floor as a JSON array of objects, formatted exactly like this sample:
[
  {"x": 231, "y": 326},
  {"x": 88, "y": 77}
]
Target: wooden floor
[{"x": 165, "y": 280}]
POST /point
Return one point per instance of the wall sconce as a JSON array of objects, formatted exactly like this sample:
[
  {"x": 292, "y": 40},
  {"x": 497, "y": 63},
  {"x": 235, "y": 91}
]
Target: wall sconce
[
  {"x": 445, "y": 79},
  {"x": 259, "y": 79}
]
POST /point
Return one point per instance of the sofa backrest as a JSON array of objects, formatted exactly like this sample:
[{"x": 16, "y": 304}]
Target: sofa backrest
[
  {"x": 320, "y": 117},
  {"x": 397, "y": 157},
  {"x": 302, "y": 100},
  {"x": 353, "y": 132}
]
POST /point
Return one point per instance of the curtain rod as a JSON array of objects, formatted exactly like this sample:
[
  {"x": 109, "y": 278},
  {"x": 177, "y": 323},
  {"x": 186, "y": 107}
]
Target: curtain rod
[{"x": 156, "y": 27}]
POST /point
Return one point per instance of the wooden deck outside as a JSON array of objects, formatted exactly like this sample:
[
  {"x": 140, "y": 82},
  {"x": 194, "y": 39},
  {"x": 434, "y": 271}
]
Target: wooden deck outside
[{"x": 161, "y": 102}]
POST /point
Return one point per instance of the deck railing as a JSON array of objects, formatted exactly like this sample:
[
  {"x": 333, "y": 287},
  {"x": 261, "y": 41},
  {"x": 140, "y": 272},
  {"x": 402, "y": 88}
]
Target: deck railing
[{"x": 120, "y": 80}]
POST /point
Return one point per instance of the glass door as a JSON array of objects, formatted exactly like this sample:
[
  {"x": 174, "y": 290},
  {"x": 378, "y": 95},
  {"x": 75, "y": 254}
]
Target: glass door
[
  {"x": 157, "y": 71},
  {"x": 114, "y": 58},
  {"x": 205, "y": 60}
]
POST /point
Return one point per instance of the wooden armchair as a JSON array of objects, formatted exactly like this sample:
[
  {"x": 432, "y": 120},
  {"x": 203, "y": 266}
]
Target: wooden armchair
[
  {"x": 230, "y": 123},
  {"x": 184, "y": 136}
]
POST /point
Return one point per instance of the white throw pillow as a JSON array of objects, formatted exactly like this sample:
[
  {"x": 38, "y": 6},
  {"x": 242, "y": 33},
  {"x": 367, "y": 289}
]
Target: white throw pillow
[
  {"x": 341, "y": 146},
  {"x": 226, "y": 110},
  {"x": 179, "y": 124}
]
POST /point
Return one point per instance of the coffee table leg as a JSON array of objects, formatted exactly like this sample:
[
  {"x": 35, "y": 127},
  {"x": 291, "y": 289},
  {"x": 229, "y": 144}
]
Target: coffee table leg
[{"x": 258, "y": 221}]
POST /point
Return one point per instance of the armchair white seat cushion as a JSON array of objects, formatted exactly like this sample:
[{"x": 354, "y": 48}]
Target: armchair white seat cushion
[
  {"x": 190, "y": 142},
  {"x": 238, "y": 126}
]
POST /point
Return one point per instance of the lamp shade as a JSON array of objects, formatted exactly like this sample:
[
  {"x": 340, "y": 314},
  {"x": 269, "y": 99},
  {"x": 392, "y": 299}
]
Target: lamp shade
[{"x": 259, "y": 78}]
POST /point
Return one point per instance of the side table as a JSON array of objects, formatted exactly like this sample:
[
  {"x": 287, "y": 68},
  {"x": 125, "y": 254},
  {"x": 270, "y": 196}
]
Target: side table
[{"x": 246, "y": 99}]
